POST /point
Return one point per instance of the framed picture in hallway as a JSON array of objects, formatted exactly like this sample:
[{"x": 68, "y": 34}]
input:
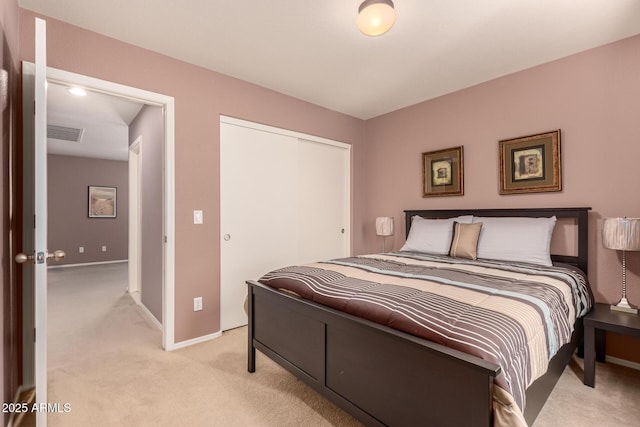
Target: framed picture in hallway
[{"x": 102, "y": 202}]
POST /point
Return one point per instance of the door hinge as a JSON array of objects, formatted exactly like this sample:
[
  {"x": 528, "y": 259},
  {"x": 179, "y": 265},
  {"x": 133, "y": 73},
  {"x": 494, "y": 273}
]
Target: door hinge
[
  {"x": 165, "y": 239},
  {"x": 34, "y": 334}
]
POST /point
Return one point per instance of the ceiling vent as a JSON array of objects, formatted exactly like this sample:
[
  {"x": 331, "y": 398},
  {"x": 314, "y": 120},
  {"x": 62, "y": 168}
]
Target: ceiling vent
[{"x": 64, "y": 133}]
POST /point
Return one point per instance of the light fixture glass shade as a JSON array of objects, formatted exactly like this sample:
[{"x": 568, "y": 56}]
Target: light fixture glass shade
[
  {"x": 384, "y": 226},
  {"x": 622, "y": 234},
  {"x": 376, "y": 17},
  {"x": 77, "y": 91}
]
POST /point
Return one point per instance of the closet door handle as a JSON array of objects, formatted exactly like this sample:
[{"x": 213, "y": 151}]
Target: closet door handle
[{"x": 227, "y": 237}]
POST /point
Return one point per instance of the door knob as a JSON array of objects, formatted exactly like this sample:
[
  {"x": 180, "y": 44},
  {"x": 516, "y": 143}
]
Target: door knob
[
  {"x": 56, "y": 255},
  {"x": 21, "y": 258}
]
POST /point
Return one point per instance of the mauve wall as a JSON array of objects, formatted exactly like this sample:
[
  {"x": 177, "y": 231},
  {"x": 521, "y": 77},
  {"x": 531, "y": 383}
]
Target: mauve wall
[
  {"x": 69, "y": 224},
  {"x": 149, "y": 126},
  {"x": 10, "y": 302},
  {"x": 594, "y": 97},
  {"x": 201, "y": 96}
]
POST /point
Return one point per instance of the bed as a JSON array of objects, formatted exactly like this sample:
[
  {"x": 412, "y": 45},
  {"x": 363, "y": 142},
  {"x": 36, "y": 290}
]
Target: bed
[{"x": 385, "y": 375}]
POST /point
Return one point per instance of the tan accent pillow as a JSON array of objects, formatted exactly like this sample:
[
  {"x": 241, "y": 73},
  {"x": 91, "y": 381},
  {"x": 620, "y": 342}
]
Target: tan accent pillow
[{"x": 465, "y": 240}]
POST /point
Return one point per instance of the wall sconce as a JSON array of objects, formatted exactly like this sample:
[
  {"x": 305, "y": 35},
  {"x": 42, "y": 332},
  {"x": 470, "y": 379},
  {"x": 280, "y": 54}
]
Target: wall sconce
[
  {"x": 376, "y": 17},
  {"x": 622, "y": 234},
  {"x": 384, "y": 228}
]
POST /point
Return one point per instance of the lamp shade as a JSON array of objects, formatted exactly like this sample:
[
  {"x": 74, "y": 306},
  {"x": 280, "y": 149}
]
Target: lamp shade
[
  {"x": 384, "y": 226},
  {"x": 621, "y": 234},
  {"x": 376, "y": 17}
]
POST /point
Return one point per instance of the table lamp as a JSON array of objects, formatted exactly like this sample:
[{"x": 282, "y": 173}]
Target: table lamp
[
  {"x": 622, "y": 234},
  {"x": 384, "y": 228}
]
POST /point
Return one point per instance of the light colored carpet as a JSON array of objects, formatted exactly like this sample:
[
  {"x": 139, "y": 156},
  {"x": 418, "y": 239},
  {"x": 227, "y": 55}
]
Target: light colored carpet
[
  {"x": 615, "y": 400},
  {"x": 106, "y": 361}
]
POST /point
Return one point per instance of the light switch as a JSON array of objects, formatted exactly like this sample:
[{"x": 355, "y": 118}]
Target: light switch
[{"x": 198, "y": 217}]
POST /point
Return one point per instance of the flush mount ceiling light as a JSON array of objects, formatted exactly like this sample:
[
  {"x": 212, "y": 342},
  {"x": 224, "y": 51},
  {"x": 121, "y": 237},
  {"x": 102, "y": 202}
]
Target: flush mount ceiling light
[
  {"x": 376, "y": 17},
  {"x": 77, "y": 91}
]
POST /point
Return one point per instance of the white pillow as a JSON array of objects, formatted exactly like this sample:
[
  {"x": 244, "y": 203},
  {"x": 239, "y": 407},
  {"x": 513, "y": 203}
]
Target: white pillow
[
  {"x": 432, "y": 236},
  {"x": 516, "y": 239}
]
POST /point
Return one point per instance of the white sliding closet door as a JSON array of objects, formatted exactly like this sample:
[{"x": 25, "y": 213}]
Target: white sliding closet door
[
  {"x": 284, "y": 200},
  {"x": 256, "y": 211},
  {"x": 322, "y": 202}
]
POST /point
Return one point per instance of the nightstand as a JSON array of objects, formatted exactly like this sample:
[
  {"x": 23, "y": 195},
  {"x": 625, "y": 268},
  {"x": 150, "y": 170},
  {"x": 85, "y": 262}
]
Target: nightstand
[{"x": 599, "y": 320}]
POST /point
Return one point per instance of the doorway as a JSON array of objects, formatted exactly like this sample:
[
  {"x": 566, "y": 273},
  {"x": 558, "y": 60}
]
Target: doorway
[
  {"x": 168, "y": 250},
  {"x": 34, "y": 307}
]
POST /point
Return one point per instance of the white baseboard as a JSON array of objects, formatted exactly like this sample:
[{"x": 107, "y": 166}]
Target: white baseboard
[
  {"x": 622, "y": 362},
  {"x": 87, "y": 263},
  {"x": 193, "y": 341},
  {"x": 135, "y": 296}
]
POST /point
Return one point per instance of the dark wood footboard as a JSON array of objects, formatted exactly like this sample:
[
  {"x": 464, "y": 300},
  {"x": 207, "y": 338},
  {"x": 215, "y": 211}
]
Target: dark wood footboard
[{"x": 377, "y": 374}]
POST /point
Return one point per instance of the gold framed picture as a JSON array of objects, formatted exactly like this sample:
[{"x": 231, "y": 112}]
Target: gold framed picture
[
  {"x": 530, "y": 164},
  {"x": 443, "y": 172}
]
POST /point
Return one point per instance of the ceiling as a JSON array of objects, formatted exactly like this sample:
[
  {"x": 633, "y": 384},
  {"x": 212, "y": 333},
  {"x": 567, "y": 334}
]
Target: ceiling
[
  {"x": 312, "y": 50},
  {"x": 103, "y": 121}
]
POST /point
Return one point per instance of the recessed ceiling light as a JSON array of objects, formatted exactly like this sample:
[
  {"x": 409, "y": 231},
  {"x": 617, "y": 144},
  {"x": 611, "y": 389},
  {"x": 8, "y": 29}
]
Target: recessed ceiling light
[{"x": 78, "y": 91}]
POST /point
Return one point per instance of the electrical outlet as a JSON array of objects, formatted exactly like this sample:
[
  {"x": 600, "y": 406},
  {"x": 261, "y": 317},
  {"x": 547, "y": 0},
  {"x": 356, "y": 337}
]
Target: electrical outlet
[
  {"x": 104, "y": 248},
  {"x": 81, "y": 249},
  {"x": 197, "y": 304}
]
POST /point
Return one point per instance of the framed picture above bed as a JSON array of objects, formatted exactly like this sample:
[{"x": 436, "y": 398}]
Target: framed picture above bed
[
  {"x": 530, "y": 164},
  {"x": 443, "y": 172}
]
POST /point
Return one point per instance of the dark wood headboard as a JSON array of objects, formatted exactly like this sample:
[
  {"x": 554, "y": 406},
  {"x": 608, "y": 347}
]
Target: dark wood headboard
[{"x": 581, "y": 215}]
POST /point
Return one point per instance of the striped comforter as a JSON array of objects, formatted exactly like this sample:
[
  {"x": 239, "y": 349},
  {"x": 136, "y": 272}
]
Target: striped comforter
[{"x": 514, "y": 315}]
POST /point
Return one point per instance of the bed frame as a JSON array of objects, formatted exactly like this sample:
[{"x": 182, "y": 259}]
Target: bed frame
[{"x": 386, "y": 377}]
